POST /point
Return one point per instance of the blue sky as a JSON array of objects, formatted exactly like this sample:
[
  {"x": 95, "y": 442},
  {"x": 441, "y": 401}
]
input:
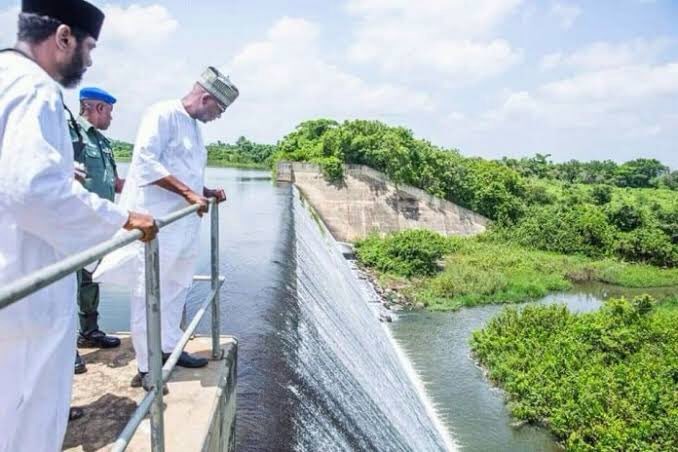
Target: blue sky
[{"x": 595, "y": 79}]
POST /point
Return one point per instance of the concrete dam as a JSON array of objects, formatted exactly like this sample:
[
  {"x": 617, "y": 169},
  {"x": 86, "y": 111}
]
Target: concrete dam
[{"x": 367, "y": 201}]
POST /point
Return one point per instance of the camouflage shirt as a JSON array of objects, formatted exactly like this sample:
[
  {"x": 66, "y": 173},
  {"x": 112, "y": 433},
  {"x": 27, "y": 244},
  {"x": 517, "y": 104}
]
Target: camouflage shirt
[{"x": 97, "y": 156}]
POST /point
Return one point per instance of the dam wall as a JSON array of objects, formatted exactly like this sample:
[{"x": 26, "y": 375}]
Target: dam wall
[{"x": 367, "y": 201}]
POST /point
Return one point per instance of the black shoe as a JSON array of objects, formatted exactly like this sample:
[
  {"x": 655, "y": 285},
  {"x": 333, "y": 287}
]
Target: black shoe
[
  {"x": 187, "y": 360},
  {"x": 140, "y": 380},
  {"x": 75, "y": 413},
  {"x": 97, "y": 339},
  {"x": 80, "y": 367}
]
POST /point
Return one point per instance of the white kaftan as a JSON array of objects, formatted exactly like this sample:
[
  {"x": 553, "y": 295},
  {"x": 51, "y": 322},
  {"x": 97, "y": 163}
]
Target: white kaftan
[
  {"x": 169, "y": 142},
  {"x": 45, "y": 215}
]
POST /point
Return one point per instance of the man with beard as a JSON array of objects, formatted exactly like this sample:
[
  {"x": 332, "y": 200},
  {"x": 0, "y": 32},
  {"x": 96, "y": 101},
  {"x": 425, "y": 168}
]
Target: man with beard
[
  {"x": 166, "y": 174},
  {"x": 45, "y": 215}
]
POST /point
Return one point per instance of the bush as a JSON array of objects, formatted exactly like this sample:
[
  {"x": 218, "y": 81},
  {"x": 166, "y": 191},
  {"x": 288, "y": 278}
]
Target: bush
[
  {"x": 601, "y": 194},
  {"x": 413, "y": 252},
  {"x": 579, "y": 229},
  {"x": 626, "y": 217},
  {"x": 648, "y": 245},
  {"x": 599, "y": 381}
]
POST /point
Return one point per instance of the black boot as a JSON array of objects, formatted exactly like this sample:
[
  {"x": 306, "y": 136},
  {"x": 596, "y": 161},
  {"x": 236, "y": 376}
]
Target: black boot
[
  {"x": 80, "y": 367},
  {"x": 97, "y": 339}
]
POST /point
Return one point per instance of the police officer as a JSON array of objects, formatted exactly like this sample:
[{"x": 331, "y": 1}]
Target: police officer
[{"x": 98, "y": 175}]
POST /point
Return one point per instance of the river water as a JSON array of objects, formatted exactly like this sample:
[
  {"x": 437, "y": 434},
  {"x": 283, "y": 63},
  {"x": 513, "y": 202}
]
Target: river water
[{"x": 317, "y": 371}]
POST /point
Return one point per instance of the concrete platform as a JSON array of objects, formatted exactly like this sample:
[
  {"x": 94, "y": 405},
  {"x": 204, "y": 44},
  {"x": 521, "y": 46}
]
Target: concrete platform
[{"x": 195, "y": 405}]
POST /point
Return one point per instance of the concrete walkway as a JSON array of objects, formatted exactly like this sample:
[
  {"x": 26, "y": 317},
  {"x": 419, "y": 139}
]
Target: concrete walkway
[{"x": 109, "y": 401}]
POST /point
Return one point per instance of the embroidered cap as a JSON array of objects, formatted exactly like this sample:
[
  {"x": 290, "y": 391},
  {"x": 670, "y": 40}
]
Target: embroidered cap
[{"x": 219, "y": 86}]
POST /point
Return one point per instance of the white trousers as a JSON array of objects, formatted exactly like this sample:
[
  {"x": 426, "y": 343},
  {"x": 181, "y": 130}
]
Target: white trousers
[
  {"x": 36, "y": 375},
  {"x": 172, "y": 301}
]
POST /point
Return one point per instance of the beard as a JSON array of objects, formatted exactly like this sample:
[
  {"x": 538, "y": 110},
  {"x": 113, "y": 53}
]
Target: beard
[{"x": 71, "y": 73}]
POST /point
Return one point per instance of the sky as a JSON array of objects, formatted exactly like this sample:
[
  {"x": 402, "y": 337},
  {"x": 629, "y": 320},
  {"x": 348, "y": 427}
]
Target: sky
[{"x": 577, "y": 79}]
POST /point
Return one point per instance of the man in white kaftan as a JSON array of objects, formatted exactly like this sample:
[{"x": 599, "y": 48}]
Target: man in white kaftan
[
  {"x": 45, "y": 215},
  {"x": 167, "y": 174}
]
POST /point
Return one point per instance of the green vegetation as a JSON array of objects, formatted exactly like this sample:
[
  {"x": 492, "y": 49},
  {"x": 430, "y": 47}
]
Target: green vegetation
[
  {"x": 596, "y": 209},
  {"x": 414, "y": 252},
  {"x": 599, "y": 381},
  {"x": 122, "y": 151},
  {"x": 484, "y": 186},
  {"x": 243, "y": 154},
  {"x": 639, "y": 173},
  {"x": 445, "y": 273}
]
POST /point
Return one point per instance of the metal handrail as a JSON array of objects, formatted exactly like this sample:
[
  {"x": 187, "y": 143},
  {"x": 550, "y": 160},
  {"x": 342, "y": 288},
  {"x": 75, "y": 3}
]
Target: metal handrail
[{"x": 158, "y": 374}]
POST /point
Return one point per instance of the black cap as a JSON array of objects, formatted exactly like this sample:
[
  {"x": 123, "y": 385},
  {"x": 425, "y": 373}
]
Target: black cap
[{"x": 74, "y": 13}]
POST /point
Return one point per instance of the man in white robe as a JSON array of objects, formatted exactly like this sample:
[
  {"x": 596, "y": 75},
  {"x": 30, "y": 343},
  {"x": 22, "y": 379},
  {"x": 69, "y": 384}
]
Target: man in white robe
[
  {"x": 45, "y": 215},
  {"x": 167, "y": 174}
]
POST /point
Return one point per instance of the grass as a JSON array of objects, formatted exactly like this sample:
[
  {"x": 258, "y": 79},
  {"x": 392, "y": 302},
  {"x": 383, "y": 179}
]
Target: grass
[
  {"x": 601, "y": 381},
  {"x": 474, "y": 271}
]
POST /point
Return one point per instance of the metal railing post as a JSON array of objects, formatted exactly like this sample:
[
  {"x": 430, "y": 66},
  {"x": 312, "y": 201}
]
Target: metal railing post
[
  {"x": 214, "y": 248},
  {"x": 154, "y": 343}
]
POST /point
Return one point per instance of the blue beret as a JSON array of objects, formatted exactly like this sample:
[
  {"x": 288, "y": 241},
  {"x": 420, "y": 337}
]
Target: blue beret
[{"x": 96, "y": 94}]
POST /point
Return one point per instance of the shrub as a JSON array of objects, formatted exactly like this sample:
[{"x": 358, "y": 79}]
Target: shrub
[
  {"x": 625, "y": 216},
  {"x": 648, "y": 244},
  {"x": 599, "y": 381},
  {"x": 601, "y": 194},
  {"x": 413, "y": 252}
]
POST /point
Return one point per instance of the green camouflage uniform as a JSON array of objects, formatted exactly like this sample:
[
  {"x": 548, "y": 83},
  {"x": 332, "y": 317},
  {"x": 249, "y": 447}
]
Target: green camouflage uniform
[{"x": 93, "y": 150}]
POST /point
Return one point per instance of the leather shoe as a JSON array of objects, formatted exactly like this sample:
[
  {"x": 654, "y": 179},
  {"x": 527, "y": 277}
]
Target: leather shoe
[
  {"x": 80, "y": 367},
  {"x": 97, "y": 339},
  {"x": 187, "y": 360},
  {"x": 140, "y": 380},
  {"x": 74, "y": 413}
]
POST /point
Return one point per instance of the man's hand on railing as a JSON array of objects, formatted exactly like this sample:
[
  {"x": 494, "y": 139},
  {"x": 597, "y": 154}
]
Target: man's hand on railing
[
  {"x": 143, "y": 222},
  {"x": 217, "y": 193},
  {"x": 193, "y": 198}
]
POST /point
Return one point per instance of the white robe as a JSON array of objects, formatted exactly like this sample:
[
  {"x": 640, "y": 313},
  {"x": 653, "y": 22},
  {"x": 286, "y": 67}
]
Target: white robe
[
  {"x": 169, "y": 142},
  {"x": 44, "y": 216}
]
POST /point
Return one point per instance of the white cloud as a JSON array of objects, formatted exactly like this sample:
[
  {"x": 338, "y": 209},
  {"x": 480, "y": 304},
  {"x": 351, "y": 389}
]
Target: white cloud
[
  {"x": 611, "y": 98},
  {"x": 566, "y": 14},
  {"x": 285, "y": 79},
  {"x": 452, "y": 38},
  {"x": 618, "y": 86},
  {"x": 137, "y": 26},
  {"x": 458, "y": 18},
  {"x": 603, "y": 55},
  {"x": 134, "y": 62}
]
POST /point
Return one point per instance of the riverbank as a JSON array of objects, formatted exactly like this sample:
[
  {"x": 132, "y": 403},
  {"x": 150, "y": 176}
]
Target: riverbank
[
  {"x": 419, "y": 269},
  {"x": 213, "y": 163},
  {"x": 602, "y": 380}
]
